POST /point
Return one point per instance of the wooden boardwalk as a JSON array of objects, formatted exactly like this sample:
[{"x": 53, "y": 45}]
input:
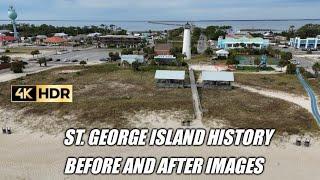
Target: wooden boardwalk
[{"x": 195, "y": 96}]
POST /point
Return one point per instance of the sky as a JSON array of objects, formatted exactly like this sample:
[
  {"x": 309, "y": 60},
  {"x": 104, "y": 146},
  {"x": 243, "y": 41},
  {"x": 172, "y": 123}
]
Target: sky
[{"x": 161, "y": 9}]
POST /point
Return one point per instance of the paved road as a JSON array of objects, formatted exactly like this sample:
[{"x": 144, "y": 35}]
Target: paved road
[
  {"x": 195, "y": 97},
  {"x": 313, "y": 97},
  {"x": 92, "y": 55},
  {"x": 306, "y": 61}
]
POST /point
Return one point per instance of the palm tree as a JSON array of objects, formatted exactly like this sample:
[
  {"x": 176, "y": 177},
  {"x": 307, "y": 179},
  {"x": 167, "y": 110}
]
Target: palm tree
[{"x": 316, "y": 68}]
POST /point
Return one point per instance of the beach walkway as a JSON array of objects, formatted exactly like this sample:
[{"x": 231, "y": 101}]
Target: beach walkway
[
  {"x": 195, "y": 97},
  {"x": 313, "y": 97}
]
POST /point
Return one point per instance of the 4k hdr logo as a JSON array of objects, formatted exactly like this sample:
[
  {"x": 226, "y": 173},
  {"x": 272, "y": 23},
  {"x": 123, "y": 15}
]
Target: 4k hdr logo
[{"x": 42, "y": 93}]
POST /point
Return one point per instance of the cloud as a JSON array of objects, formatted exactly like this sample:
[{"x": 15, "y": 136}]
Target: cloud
[{"x": 161, "y": 9}]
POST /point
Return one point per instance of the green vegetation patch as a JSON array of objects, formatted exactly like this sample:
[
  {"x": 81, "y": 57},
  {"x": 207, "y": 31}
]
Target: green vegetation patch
[
  {"x": 280, "y": 82},
  {"x": 243, "y": 109},
  {"x": 102, "y": 94}
]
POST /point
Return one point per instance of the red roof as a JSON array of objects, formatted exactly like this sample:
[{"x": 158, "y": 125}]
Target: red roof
[
  {"x": 55, "y": 40},
  {"x": 7, "y": 38}
]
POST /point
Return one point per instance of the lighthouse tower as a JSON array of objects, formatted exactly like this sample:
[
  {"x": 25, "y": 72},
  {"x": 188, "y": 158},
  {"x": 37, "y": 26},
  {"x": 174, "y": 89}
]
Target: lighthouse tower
[
  {"x": 13, "y": 16},
  {"x": 186, "y": 50}
]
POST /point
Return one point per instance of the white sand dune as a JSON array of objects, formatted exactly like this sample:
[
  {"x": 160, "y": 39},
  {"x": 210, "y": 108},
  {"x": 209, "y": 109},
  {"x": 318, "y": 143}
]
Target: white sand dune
[{"x": 302, "y": 101}]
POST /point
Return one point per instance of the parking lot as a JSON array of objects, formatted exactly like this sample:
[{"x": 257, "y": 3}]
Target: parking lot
[{"x": 92, "y": 56}]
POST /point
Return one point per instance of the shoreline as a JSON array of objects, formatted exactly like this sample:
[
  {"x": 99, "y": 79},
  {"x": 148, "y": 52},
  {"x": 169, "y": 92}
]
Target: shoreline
[{"x": 40, "y": 156}]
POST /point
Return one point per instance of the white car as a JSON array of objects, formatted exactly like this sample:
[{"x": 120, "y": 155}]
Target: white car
[
  {"x": 66, "y": 60},
  {"x": 295, "y": 62}
]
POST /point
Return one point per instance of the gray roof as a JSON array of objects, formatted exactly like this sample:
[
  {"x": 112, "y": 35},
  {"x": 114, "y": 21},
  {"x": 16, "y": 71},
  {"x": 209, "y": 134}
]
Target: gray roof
[
  {"x": 167, "y": 74},
  {"x": 223, "y": 52},
  {"x": 217, "y": 76},
  {"x": 132, "y": 58}
]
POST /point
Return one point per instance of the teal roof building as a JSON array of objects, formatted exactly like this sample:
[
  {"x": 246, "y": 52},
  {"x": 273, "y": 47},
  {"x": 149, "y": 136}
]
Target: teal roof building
[{"x": 242, "y": 42}]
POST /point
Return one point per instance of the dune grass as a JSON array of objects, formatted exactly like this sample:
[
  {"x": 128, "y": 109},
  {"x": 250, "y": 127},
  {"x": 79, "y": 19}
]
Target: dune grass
[
  {"x": 243, "y": 109},
  {"x": 280, "y": 82},
  {"x": 102, "y": 93}
]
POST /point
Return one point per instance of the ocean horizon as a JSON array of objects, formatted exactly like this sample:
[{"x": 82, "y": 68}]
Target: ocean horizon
[{"x": 144, "y": 25}]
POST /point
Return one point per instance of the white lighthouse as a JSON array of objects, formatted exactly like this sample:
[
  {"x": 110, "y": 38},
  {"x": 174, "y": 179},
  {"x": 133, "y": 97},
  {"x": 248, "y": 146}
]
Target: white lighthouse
[{"x": 186, "y": 50}]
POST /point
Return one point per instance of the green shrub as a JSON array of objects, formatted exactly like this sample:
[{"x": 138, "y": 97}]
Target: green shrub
[
  {"x": 35, "y": 52},
  {"x": 291, "y": 69},
  {"x": 5, "y": 59},
  {"x": 308, "y": 75},
  {"x": 83, "y": 62},
  {"x": 17, "y": 66},
  {"x": 42, "y": 61}
]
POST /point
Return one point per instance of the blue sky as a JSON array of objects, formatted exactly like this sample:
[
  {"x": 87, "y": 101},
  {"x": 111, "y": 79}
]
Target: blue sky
[{"x": 162, "y": 9}]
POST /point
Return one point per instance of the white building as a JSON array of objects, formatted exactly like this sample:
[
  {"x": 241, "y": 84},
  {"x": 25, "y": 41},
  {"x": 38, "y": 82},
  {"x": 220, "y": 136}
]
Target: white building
[
  {"x": 308, "y": 43},
  {"x": 165, "y": 59},
  {"x": 170, "y": 78},
  {"x": 212, "y": 79},
  {"x": 94, "y": 35},
  {"x": 222, "y": 53},
  {"x": 62, "y": 35},
  {"x": 132, "y": 58}
]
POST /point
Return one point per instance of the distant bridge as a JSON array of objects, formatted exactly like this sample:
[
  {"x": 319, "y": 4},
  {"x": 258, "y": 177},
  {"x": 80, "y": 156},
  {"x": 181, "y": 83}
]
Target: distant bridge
[{"x": 258, "y": 30}]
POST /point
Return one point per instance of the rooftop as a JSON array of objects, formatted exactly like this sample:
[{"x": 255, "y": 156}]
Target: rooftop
[
  {"x": 120, "y": 36},
  {"x": 244, "y": 40},
  {"x": 132, "y": 58},
  {"x": 217, "y": 76},
  {"x": 167, "y": 74},
  {"x": 165, "y": 56},
  {"x": 55, "y": 40}
]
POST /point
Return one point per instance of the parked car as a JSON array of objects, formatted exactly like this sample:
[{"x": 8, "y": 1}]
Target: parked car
[
  {"x": 75, "y": 60},
  {"x": 58, "y": 60},
  {"x": 66, "y": 60},
  {"x": 103, "y": 59}
]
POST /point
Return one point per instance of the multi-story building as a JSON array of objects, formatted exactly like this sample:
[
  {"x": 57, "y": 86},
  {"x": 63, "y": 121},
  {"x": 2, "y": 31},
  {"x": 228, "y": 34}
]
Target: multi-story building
[
  {"x": 120, "y": 41},
  {"x": 308, "y": 43},
  {"x": 242, "y": 42}
]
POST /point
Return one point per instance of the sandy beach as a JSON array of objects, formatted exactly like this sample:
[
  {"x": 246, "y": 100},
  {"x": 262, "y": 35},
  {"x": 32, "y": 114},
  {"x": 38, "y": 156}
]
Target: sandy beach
[{"x": 33, "y": 155}]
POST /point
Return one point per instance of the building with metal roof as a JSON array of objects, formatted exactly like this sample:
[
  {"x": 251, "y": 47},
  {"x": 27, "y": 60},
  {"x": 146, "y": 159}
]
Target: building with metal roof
[
  {"x": 162, "y": 48},
  {"x": 61, "y": 35},
  {"x": 212, "y": 79},
  {"x": 169, "y": 78},
  {"x": 165, "y": 59}
]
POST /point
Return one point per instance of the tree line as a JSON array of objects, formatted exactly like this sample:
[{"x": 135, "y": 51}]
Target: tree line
[
  {"x": 28, "y": 30},
  {"x": 308, "y": 30}
]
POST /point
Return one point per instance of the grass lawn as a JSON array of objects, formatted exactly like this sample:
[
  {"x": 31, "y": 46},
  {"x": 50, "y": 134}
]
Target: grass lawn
[
  {"x": 21, "y": 50},
  {"x": 252, "y": 69},
  {"x": 315, "y": 84},
  {"x": 244, "y": 109},
  {"x": 280, "y": 82},
  {"x": 196, "y": 59},
  {"x": 270, "y": 60},
  {"x": 102, "y": 93}
]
